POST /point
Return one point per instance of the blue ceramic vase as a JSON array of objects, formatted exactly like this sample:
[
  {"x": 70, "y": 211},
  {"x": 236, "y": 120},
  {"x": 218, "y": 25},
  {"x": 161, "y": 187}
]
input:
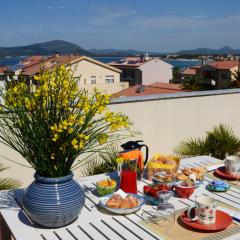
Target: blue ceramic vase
[{"x": 53, "y": 202}]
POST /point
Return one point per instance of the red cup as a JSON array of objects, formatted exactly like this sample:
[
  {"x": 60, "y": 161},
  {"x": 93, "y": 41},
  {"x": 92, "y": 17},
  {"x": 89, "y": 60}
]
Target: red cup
[{"x": 183, "y": 191}]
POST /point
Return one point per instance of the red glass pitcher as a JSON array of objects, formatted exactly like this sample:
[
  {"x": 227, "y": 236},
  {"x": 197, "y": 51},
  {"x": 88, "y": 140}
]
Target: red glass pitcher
[{"x": 128, "y": 176}]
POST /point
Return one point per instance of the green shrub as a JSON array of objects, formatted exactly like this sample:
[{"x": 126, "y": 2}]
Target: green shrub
[
  {"x": 218, "y": 143},
  {"x": 103, "y": 162}
]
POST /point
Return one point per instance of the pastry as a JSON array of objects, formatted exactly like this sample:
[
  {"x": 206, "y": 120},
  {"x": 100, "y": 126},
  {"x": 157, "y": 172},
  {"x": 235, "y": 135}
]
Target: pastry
[
  {"x": 168, "y": 178},
  {"x": 171, "y": 162},
  {"x": 181, "y": 177},
  {"x": 198, "y": 170},
  {"x": 200, "y": 177},
  {"x": 125, "y": 204},
  {"x": 116, "y": 197},
  {"x": 116, "y": 201},
  {"x": 113, "y": 203},
  {"x": 133, "y": 202},
  {"x": 187, "y": 171}
]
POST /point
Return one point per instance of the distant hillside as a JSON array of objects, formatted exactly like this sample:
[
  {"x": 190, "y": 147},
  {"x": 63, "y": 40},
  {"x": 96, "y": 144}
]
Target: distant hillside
[
  {"x": 115, "y": 52},
  {"x": 208, "y": 51},
  {"x": 45, "y": 48}
]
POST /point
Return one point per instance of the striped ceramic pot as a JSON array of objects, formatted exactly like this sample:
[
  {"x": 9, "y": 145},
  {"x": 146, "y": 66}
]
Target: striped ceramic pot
[{"x": 53, "y": 202}]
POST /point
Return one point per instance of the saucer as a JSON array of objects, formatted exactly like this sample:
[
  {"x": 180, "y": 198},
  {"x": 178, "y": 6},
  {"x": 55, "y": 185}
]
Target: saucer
[
  {"x": 221, "y": 171},
  {"x": 223, "y": 220},
  {"x": 217, "y": 189}
]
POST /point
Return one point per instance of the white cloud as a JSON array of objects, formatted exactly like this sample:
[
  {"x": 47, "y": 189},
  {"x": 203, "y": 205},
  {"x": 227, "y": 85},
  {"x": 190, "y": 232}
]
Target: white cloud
[{"x": 109, "y": 16}]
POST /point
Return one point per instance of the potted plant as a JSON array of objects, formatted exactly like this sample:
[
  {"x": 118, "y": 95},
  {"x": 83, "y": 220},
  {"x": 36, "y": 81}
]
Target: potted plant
[{"x": 51, "y": 127}]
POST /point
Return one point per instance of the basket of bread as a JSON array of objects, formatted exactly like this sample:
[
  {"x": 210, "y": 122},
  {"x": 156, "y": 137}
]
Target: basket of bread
[
  {"x": 163, "y": 168},
  {"x": 121, "y": 202}
]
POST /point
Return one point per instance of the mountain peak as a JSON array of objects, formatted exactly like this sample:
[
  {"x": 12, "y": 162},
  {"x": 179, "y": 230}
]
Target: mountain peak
[
  {"x": 225, "y": 48},
  {"x": 208, "y": 51},
  {"x": 44, "y": 48}
]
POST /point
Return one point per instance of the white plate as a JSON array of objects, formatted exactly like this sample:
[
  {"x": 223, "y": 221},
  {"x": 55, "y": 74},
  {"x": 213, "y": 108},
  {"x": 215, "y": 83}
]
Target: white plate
[{"x": 104, "y": 200}]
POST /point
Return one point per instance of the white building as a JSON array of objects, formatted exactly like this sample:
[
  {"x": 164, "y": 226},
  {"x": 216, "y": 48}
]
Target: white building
[
  {"x": 88, "y": 72},
  {"x": 143, "y": 70}
]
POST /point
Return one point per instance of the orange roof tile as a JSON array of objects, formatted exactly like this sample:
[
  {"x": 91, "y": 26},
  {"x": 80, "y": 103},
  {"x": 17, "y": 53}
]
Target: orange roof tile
[
  {"x": 3, "y": 69},
  {"x": 31, "y": 60},
  {"x": 50, "y": 62},
  {"x": 47, "y": 63},
  {"x": 224, "y": 64},
  {"x": 152, "y": 89},
  {"x": 190, "y": 71}
]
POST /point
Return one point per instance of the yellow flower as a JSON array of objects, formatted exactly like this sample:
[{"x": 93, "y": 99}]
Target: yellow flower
[
  {"x": 81, "y": 121},
  {"x": 119, "y": 160},
  {"x": 55, "y": 137},
  {"x": 74, "y": 143},
  {"x": 86, "y": 137},
  {"x": 72, "y": 118},
  {"x": 54, "y": 127},
  {"x": 102, "y": 138},
  {"x": 70, "y": 130},
  {"x": 81, "y": 145},
  {"x": 15, "y": 89},
  {"x": 64, "y": 124},
  {"x": 36, "y": 78}
]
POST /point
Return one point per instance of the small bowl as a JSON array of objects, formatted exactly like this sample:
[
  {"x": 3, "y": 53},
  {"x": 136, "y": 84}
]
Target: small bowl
[
  {"x": 102, "y": 191},
  {"x": 183, "y": 191}
]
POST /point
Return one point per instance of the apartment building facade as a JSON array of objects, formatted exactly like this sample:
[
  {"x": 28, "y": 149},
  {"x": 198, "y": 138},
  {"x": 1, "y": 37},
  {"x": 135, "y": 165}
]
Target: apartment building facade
[
  {"x": 88, "y": 72},
  {"x": 143, "y": 70},
  {"x": 216, "y": 75}
]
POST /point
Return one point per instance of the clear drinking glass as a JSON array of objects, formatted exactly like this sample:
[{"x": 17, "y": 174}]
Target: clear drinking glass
[{"x": 165, "y": 211}]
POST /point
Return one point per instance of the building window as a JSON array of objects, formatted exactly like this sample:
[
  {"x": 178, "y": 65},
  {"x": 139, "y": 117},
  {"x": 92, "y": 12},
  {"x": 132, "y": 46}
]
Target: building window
[
  {"x": 109, "y": 79},
  {"x": 225, "y": 76},
  {"x": 128, "y": 74},
  {"x": 93, "y": 79},
  {"x": 77, "y": 80}
]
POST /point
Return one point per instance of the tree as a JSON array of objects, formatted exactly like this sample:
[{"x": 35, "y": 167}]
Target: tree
[
  {"x": 176, "y": 75},
  {"x": 236, "y": 82},
  {"x": 195, "y": 84},
  {"x": 191, "y": 84}
]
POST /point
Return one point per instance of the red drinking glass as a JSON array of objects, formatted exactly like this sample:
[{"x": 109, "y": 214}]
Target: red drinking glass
[{"x": 128, "y": 181}]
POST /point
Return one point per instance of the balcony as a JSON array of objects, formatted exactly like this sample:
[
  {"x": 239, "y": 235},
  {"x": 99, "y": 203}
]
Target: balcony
[{"x": 164, "y": 120}]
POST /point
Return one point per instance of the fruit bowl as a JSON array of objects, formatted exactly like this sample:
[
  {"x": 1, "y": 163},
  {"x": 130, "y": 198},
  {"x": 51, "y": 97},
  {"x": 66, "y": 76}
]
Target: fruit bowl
[
  {"x": 184, "y": 191},
  {"x": 106, "y": 187}
]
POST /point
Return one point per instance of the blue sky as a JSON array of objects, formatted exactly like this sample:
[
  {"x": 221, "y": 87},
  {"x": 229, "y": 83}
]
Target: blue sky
[{"x": 150, "y": 25}]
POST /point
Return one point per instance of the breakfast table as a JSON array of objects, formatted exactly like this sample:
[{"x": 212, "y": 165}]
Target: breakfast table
[{"x": 95, "y": 223}]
